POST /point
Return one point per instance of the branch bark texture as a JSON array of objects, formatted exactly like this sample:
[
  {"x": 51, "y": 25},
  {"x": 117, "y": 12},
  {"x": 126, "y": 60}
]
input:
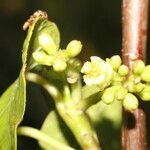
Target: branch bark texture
[{"x": 135, "y": 16}]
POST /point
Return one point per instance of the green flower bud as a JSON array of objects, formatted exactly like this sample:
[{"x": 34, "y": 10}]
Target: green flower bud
[
  {"x": 115, "y": 61},
  {"x": 97, "y": 72},
  {"x": 118, "y": 78},
  {"x": 73, "y": 48},
  {"x": 73, "y": 70},
  {"x": 145, "y": 93},
  {"x": 131, "y": 78},
  {"x": 130, "y": 86},
  {"x": 130, "y": 102},
  {"x": 123, "y": 70},
  {"x": 145, "y": 76},
  {"x": 42, "y": 58},
  {"x": 47, "y": 43},
  {"x": 139, "y": 87},
  {"x": 120, "y": 92},
  {"x": 59, "y": 65},
  {"x": 138, "y": 67},
  {"x": 108, "y": 95},
  {"x": 137, "y": 79}
]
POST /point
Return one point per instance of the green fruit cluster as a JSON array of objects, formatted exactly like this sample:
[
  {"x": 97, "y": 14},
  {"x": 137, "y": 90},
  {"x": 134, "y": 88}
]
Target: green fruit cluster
[{"x": 123, "y": 87}]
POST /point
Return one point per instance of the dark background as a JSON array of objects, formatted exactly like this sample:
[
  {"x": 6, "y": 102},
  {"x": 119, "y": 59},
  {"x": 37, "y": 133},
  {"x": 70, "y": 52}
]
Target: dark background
[{"x": 96, "y": 23}]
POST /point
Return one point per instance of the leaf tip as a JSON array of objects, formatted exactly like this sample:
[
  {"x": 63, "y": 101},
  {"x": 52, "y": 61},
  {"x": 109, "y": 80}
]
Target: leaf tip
[{"x": 36, "y": 15}]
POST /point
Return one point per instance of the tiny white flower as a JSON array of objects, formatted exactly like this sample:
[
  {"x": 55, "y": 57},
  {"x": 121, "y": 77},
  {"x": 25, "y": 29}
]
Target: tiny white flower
[{"x": 98, "y": 72}]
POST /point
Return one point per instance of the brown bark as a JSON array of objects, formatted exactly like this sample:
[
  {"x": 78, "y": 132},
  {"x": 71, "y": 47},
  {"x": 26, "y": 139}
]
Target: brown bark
[{"x": 135, "y": 16}]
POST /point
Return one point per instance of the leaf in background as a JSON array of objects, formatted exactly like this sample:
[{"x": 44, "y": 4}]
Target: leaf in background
[
  {"x": 51, "y": 127},
  {"x": 12, "y": 106},
  {"x": 54, "y": 127},
  {"x": 107, "y": 120},
  {"x": 12, "y": 102}
]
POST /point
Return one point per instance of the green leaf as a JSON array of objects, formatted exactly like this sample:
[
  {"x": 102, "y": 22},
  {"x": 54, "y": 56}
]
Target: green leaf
[
  {"x": 12, "y": 106},
  {"x": 52, "y": 128},
  {"x": 55, "y": 128},
  {"x": 89, "y": 96},
  {"x": 12, "y": 102},
  {"x": 107, "y": 121}
]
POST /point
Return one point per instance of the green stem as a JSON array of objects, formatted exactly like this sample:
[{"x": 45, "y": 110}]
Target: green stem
[
  {"x": 75, "y": 118},
  {"x": 79, "y": 124},
  {"x": 40, "y": 136},
  {"x": 76, "y": 91},
  {"x": 67, "y": 94},
  {"x": 50, "y": 88}
]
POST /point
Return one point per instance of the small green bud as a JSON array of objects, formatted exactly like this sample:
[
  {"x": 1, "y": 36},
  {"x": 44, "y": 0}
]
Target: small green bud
[
  {"x": 59, "y": 65},
  {"x": 74, "y": 48},
  {"x": 47, "y": 43},
  {"x": 108, "y": 95},
  {"x": 123, "y": 70},
  {"x": 139, "y": 87},
  {"x": 115, "y": 61},
  {"x": 42, "y": 58},
  {"x": 130, "y": 102},
  {"x": 118, "y": 78},
  {"x": 120, "y": 93},
  {"x": 138, "y": 67},
  {"x": 131, "y": 78},
  {"x": 145, "y": 93},
  {"x": 137, "y": 79},
  {"x": 145, "y": 76},
  {"x": 130, "y": 86},
  {"x": 74, "y": 64},
  {"x": 73, "y": 70}
]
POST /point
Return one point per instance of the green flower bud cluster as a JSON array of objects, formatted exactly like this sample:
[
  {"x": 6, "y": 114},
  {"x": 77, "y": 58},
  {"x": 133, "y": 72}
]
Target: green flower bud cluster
[
  {"x": 139, "y": 80},
  {"x": 113, "y": 93},
  {"x": 129, "y": 100},
  {"x": 50, "y": 55},
  {"x": 104, "y": 73},
  {"x": 120, "y": 70},
  {"x": 111, "y": 77}
]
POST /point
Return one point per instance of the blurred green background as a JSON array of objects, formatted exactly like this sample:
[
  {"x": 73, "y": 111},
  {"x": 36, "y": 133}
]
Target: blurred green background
[{"x": 96, "y": 23}]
